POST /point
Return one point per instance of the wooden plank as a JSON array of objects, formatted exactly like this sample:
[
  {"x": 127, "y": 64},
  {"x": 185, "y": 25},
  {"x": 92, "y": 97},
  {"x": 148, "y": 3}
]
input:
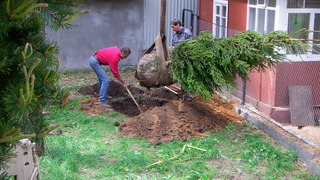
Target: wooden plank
[{"x": 301, "y": 106}]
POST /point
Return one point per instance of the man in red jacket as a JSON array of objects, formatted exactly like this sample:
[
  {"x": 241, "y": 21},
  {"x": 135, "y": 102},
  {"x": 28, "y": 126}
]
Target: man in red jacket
[{"x": 111, "y": 57}]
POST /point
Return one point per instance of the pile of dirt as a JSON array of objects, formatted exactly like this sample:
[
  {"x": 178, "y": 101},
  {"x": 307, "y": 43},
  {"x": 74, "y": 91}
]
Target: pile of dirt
[{"x": 165, "y": 117}]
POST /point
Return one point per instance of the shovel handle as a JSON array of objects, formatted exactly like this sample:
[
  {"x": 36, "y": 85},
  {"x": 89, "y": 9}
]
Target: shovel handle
[{"x": 134, "y": 99}]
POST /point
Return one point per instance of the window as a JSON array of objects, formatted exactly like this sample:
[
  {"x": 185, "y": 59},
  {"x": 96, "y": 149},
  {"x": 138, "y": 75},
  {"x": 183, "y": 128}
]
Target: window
[
  {"x": 316, "y": 35},
  {"x": 220, "y": 18},
  {"x": 304, "y": 14},
  {"x": 262, "y": 14},
  {"x": 303, "y": 4},
  {"x": 265, "y": 16}
]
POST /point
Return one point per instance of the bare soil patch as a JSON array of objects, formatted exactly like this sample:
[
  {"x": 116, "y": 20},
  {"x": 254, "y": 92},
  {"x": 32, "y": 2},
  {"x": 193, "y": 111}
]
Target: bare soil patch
[{"x": 165, "y": 117}]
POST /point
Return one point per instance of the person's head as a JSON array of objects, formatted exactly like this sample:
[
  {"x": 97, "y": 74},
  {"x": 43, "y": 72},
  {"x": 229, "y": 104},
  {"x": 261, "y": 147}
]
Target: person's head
[
  {"x": 125, "y": 52},
  {"x": 176, "y": 25}
]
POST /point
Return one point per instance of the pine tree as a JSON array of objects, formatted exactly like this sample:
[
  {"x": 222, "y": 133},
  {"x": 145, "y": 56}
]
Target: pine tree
[
  {"x": 205, "y": 64},
  {"x": 29, "y": 71}
]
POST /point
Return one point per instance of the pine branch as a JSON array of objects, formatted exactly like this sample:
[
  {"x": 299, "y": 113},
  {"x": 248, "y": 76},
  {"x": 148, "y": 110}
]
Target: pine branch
[
  {"x": 13, "y": 135},
  {"x": 46, "y": 130},
  {"x": 204, "y": 64},
  {"x": 72, "y": 17}
]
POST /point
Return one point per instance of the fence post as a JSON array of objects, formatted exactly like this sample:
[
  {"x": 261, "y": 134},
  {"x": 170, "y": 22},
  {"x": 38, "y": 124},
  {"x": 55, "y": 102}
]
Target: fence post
[{"x": 244, "y": 79}]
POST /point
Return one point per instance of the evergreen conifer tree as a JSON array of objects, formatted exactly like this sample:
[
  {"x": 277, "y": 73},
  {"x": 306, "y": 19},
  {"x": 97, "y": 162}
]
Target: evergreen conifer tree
[
  {"x": 205, "y": 64},
  {"x": 29, "y": 71}
]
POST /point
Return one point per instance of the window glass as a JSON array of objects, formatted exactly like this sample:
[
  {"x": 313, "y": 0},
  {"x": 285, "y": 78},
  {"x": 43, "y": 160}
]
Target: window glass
[
  {"x": 223, "y": 28},
  {"x": 220, "y": 17},
  {"x": 254, "y": 2},
  {"x": 272, "y": 3},
  {"x": 312, "y": 3},
  {"x": 218, "y": 26},
  {"x": 295, "y": 4},
  {"x": 261, "y": 2},
  {"x": 261, "y": 20},
  {"x": 252, "y": 18},
  {"x": 316, "y": 35},
  {"x": 224, "y": 11},
  {"x": 298, "y": 21},
  {"x": 271, "y": 17}
]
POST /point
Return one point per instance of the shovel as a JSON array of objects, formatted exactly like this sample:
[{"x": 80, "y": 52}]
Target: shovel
[{"x": 134, "y": 100}]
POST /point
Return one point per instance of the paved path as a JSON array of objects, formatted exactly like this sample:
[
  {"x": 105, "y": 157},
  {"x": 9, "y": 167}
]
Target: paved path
[{"x": 311, "y": 134}]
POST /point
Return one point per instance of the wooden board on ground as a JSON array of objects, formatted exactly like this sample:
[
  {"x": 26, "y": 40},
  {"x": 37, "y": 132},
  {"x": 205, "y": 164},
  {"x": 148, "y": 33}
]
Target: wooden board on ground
[{"x": 301, "y": 106}]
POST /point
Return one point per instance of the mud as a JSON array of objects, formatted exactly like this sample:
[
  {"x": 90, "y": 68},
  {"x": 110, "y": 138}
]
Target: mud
[{"x": 165, "y": 117}]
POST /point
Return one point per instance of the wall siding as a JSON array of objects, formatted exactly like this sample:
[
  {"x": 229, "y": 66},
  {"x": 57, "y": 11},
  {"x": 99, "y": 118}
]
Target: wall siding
[{"x": 152, "y": 18}]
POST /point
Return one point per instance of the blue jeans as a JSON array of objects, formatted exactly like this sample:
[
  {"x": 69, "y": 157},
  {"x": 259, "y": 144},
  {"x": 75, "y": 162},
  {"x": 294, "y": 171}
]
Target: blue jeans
[{"x": 102, "y": 76}]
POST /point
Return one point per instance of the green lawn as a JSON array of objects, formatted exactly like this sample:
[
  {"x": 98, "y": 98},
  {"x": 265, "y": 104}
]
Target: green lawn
[{"x": 89, "y": 148}]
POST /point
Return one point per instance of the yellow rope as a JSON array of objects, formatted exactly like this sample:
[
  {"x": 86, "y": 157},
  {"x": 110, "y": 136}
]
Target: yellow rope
[{"x": 184, "y": 147}]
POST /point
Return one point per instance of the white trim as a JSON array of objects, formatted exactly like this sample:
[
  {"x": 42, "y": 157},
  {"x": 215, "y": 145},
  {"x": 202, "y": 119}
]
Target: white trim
[
  {"x": 303, "y": 57},
  {"x": 266, "y": 8},
  {"x": 221, "y": 4},
  {"x": 281, "y": 23}
]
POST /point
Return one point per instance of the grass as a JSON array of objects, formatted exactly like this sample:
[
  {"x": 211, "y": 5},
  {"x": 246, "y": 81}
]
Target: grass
[{"x": 89, "y": 148}]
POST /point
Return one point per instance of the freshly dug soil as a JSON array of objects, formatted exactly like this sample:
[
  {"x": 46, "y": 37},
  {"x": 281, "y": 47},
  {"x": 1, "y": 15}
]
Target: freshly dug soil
[{"x": 165, "y": 117}]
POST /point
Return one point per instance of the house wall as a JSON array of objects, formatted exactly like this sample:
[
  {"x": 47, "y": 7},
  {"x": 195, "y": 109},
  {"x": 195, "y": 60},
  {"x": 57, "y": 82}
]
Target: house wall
[
  {"x": 205, "y": 15},
  {"x": 237, "y": 16},
  {"x": 174, "y": 10},
  {"x": 268, "y": 91},
  {"x": 206, "y": 10},
  {"x": 295, "y": 73},
  {"x": 110, "y": 23}
]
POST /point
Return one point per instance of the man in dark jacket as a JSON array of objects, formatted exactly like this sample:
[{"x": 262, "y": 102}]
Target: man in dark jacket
[{"x": 181, "y": 33}]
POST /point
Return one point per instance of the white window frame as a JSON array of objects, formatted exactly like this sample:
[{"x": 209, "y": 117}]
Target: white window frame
[
  {"x": 283, "y": 25},
  {"x": 220, "y": 3},
  {"x": 262, "y": 6}
]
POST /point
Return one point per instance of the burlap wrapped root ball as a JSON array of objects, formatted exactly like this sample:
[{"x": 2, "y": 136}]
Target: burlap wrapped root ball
[{"x": 152, "y": 71}]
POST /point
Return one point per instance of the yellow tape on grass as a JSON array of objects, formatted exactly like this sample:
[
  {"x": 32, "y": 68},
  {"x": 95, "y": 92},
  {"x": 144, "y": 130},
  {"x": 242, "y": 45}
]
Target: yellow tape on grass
[{"x": 184, "y": 147}]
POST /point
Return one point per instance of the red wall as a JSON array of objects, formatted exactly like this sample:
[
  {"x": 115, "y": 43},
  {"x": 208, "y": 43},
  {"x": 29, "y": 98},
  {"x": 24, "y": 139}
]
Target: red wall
[
  {"x": 205, "y": 15},
  {"x": 206, "y": 10},
  {"x": 297, "y": 73},
  {"x": 237, "y": 15},
  {"x": 260, "y": 90},
  {"x": 268, "y": 91}
]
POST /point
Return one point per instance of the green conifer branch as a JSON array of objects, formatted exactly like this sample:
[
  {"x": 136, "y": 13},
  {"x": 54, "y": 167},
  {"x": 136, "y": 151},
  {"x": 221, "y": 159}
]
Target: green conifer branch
[
  {"x": 25, "y": 53},
  {"x": 22, "y": 6},
  {"x": 32, "y": 68},
  {"x": 73, "y": 16},
  {"x": 48, "y": 52},
  {"x": 8, "y": 7},
  {"x": 2, "y": 62},
  {"x": 204, "y": 64},
  {"x": 54, "y": 76},
  {"x": 17, "y": 14},
  {"x": 30, "y": 9},
  {"x": 22, "y": 99},
  {"x": 19, "y": 102},
  {"x": 33, "y": 77},
  {"x": 26, "y": 98},
  {"x": 16, "y": 138},
  {"x": 46, "y": 130},
  {"x": 11, "y": 131}
]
